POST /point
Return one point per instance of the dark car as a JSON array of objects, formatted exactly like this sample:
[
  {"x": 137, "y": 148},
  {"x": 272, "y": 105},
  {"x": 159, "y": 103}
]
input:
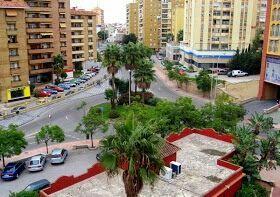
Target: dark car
[
  {"x": 38, "y": 185},
  {"x": 13, "y": 170},
  {"x": 18, "y": 109}
]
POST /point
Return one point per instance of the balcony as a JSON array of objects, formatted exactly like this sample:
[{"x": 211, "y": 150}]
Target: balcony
[
  {"x": 12, "y": 31},
  {"x": 36, "y": 51},
  {"x": 15, "y": 71},
  {"x": 13, "y": 45},
  {"x": 64, "y": 48},
  {"x": 39, "y": 30},
  {"x": 39, "y": 9},
  {"x": 14, "y": 58},
  {"x": 77, "y": 20},
  {"x": 77, "y": 28},
  {"x": 78, "y": 36},
  {"x": 39, "y": 40},
  {"x": 78, "y": 44},
  {"x": 81, "y": 59},
  {"x": 40, "y": 71},
  {"x": 44, "y": 20},
  {"x": 78, "y": 52},
  {"x": 42, "y": 60}
]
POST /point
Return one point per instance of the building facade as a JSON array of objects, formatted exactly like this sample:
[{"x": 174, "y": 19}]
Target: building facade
[
  {"x": 132, "y": 18},
  {"x": 213, "y": 30},
  {"x": 48, "y": 34},
  {"x": 270, "y": 73},
  {"x": 14, "y": 77},
  {"x": 83, "y": 32},
  {"x": 166, "y": 23},
  {"x": 149, "y": 23},
  {"x": 177, "y": 17},
  {"x": 261, "y": 14},
  {"x": 99, "y": 16}
]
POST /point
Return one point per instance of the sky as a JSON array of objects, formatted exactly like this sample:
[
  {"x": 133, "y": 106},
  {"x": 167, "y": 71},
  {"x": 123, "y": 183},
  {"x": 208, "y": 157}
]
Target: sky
[{"x": 114, "y": 10}]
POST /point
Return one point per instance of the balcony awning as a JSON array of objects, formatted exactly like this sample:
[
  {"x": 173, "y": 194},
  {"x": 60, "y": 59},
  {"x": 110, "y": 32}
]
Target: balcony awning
[
  {"x": 47, "y": 34},
  {"x": 63, "y": 25},
  {"x": 11, "y": 13}
]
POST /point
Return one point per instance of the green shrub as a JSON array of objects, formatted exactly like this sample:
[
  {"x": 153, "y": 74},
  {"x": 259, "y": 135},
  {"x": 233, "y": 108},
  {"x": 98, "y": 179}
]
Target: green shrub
[
  {"x": 153, "y": 101},
  {"x": 114, "y": 114},
  {"x": 24, "y": 194},
  {"x": 252, "y": 189}
]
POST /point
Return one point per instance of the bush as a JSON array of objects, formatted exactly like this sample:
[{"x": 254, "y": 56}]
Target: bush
[
  {"x": 114, "y": 114},
  {"x": 24, "y": 194},
  {"x": 153, "y": 101},
  {"x": 252, "y": 189},
  {"x": 124, "y": 99}
]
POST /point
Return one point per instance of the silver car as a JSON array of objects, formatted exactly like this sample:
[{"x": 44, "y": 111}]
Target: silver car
[
  {"x": 37, "y": 163},
  {"x": 58, "y": 156}
]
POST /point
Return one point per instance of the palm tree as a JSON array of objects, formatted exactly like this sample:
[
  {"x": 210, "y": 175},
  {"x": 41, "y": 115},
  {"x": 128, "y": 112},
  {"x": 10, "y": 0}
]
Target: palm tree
[
  {"x": 260, "y": 123},
  {"x": 137, "y": 146},
  {"x": 112, "y": 60},
  {"x": 144, "y": 75},
  {"x": 58, "y": 65},
  {"x": 131, "y": 58}
]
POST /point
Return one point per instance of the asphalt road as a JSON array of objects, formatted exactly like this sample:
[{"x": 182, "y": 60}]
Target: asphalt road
[{"x": 77, "y": 163}]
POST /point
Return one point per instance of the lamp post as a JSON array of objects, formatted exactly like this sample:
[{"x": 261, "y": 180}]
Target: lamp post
[{"x": 129, "y": 92}]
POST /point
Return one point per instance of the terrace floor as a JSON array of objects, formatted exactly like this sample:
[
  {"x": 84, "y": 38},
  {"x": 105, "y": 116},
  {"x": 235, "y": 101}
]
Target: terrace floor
[{"x": 200, "y": 173}]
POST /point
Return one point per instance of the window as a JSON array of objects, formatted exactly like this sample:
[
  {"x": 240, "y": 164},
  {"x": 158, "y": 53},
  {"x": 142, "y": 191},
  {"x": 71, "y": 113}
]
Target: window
[
  {"x": 14, "y": 65},
  {"x": 11, "y": 26},
  {"x": 16, "y": 78},
  {"x": 13, "y": 52},
  {"x": 61, "y": 5},
  {"x": 12, "y": 39}
]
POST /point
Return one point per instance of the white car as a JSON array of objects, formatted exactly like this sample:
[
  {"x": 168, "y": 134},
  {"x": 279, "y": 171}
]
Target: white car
[
  {"x": 238, "y": 73},
  {"x": 37, "y": 163},
  {"x": 58, "y": 156}
]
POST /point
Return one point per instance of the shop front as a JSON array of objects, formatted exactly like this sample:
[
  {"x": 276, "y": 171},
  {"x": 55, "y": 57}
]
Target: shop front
[{"x": 18, "y": 93}]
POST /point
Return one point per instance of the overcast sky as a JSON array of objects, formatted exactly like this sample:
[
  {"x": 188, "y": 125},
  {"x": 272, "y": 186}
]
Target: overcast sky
[{"x": 114, "y": 10}]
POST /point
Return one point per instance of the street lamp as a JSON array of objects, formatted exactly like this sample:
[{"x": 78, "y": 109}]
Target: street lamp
[{"x": 129, "y": 92}]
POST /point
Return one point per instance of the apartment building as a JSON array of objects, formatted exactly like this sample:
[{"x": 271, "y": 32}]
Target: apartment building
[
  {"x": 99, "y": 16},
  {"x": 165, "y": 23},
  {"x": 261, "y": 14},
  {"x": 132, "y": 18},
  {"x": 48, "y": 34},
  {"x": 14, "y": 81},
  {"x": 177, "y": 17},
  {"x": 150, "y": 23},
  {"x": 270, "y": 73},
  {"x": 214, "y": 29},
  {"x": 83, "y": 28}
]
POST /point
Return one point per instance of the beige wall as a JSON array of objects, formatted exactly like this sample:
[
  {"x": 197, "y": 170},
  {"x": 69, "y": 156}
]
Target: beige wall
[{"x": 132, "y": 18}]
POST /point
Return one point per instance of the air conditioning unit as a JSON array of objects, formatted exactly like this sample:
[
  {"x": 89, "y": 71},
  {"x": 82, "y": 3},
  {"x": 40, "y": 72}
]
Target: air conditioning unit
[
  {"x": 166, "y": 173},
  {"x": 176, "y": 167}
]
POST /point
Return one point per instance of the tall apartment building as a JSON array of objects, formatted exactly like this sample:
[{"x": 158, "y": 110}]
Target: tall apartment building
[
  {"x": 149, "y": 31},
  {"x": 14, "y": 79},
  {"x": 214, "y": 29},
  {"x": 165, "y": 22},
  {"x": 270, "y": 73},
  {"x": 132, "y": 18},
  {"x": 48, "y": 34},
  {"x": 83, "y": 27},
  {"x": 261, "y": 14},
  {"x": 99, "y": 16},
  {"x": 177, "y": 17}
]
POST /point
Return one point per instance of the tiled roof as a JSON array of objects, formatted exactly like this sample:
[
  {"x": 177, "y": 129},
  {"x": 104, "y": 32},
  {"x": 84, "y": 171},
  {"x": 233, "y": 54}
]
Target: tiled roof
[
  {"x": 13, "y": 4},
  {"x": 168, "y": 149}
]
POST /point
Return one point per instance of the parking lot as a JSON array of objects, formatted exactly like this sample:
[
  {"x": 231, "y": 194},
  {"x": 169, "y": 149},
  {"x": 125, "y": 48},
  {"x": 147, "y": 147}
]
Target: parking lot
[{"x": 77, "y": 162}]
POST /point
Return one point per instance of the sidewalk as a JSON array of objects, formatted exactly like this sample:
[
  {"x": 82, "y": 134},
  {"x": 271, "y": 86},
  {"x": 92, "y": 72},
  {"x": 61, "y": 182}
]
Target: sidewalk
[
  {"x": 67, "y": 145},
  {"x": 161, "y": 73}
]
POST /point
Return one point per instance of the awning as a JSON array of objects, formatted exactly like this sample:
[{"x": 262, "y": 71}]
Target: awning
[
  {"x": 46, "y": 34},
  {"x": 63, "y": 25},
  {"x": 11, "y": 12}
]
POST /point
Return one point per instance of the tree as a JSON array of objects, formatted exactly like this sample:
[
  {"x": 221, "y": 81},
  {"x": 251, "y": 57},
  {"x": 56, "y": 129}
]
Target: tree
[
  {"x": 113, "y": 61},
  {"x": 169, "y": 37},
  {"x": 203, "y": 81},
  {"x": 63, "y": 75},
  {"x": 130, "y": 38},
  {"x": 99, "y": 57},
  {"x": 24, "y": 194},
  {"x": 110, "y": 95},
  {"x": 50, "y": 133},
  {"x": 180, "y": 79},
  {"x": 103, "y": 35},
  {"x": 144, "y": 75},
  {"x": 260, "y": 123},
  {"x": 91, "y": 122},
  {"x": 137, "y": 146},
  {"x": 58, "y": 65},
  {"x": 12, "y": 142},
  {"x": 180, "y": 35},
  {"x": 82, "y": 106}
]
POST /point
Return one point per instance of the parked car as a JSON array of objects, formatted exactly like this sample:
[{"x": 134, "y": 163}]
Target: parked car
[
  {"x": 18, "y": 109},
  {"x": 72, "y": 85},
  {"x": 38, "y": 185},
  {"x": 222, "y": 72},
  {"x": 81, "y": 80},
  {"x": 64, "y": 86},
  {"x": 54, "y": 87},
  {"x": 237, "y": 73},
  {"x": 58, "y": 156},
  {"x": 37, "y": 163},
  {"x": 42, "y": 93},
  {"x": 13, "y": 170},
  {"x": 85, "y": 77},
  {"x": 50, "y": 91},
  {"x": 76, "y": 81}
]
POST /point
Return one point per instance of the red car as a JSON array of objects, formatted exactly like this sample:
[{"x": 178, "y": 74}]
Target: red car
[
  {"x": 53, "y": 87},
  {"x": 42, "y": 93}
]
